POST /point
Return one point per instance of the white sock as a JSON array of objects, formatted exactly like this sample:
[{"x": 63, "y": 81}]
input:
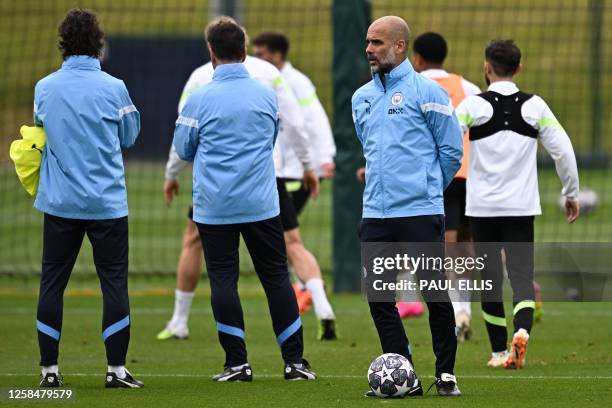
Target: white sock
[
  {"x": 118, "y": 370},
  {"x": 54, "y": 369},
  {"x": 322, "y": 308},
  {"x": 467, "y": 308},
  {"x": 522, "y": 332},
  {"x": 464, "y": 307},
  {"x": 182, "y": 307}
]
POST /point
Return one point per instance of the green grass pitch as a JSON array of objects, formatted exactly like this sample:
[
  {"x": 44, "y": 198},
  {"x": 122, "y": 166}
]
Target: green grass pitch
[{"x": 568, "y": 361}]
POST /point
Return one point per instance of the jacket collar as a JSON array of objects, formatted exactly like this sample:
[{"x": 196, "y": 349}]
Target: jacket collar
[
  {"x": 287, "y": 67},
  {"x": 402, "y": 70},
  {"x": 434, "y": 73},
  {"x": 81, "y": 62},
  {"x": 503, "y": 87},
  {"x": 230, "y": 71}
]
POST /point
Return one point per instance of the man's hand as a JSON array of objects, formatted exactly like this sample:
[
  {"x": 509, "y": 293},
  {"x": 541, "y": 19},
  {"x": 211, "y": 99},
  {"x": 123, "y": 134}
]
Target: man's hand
[
  {"x": 572, "y": 209},
  {"x": 311, "y": 183},
  {"x": 328, "y": 170},
  {"x": 360, "y": 174},
  {"x": 171, "y": 188}
]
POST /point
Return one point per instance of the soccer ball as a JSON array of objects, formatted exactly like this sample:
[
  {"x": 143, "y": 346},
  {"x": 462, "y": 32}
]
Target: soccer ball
[
  {"x": 587, "y": 198},
  {"x": 391, "y": 375}
]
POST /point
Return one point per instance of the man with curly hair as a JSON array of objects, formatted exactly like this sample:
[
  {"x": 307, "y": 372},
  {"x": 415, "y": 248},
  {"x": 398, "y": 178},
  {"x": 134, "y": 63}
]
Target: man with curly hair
[{"x": 88, "y": 117}]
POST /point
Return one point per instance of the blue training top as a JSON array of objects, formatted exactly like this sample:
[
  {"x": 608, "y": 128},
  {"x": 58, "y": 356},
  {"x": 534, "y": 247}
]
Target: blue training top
[
  {"x": 88, "y": 117},
  {"x": 228, "y": 129}
]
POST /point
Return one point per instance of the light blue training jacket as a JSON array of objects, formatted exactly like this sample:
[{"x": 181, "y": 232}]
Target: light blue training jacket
[
  {"x": 88, "y": 117},
  {"x": 228, "y": 129},
  {"x": 412, "y": 143}
]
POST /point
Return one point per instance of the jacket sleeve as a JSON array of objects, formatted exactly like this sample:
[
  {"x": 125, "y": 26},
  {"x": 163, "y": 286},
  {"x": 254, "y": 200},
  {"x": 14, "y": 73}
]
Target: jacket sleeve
[
  {"x": 557, "y": 143},
  {"x": 292, "y": 119},
  {"x": 319, "y": 130},
  {"x": 37, "y": 100},
  {"x": 354, "y": 112},
  {"x": 196, "y": 80},
  {"x": 174, "y": 165},
  {"x": 447, "y": 134},
  {"x": 129, "y": 119},
  {"x": 186, "y": 132}
]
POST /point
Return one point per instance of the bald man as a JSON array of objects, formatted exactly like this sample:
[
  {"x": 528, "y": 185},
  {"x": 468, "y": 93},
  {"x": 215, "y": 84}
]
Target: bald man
[{"x": 412, "y": 143}]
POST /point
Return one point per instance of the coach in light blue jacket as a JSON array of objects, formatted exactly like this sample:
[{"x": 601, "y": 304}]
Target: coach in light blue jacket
[
  {"x": 412, "y": 145},
  {"x": 228, "y": 129},
  {"x": 88, "y": 117},
  {"x": 233, "y": 171},
  {"x": 411, "y": 142}
]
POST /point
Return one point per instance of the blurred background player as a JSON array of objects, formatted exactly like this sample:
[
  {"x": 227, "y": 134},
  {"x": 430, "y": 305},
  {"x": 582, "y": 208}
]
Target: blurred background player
[
  {"x": 88, "y": 117},
  {"x": 292, "y": 133},
  {"x": 229, "y": 128},
  {"x": 502, "y": 190},
  {"x": 429, "y": 52},
  {"x": 273, "y": 47}
]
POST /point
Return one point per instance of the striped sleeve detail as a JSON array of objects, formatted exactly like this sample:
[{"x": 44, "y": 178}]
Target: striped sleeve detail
[
  {"x": 278, "y": 81},
  {"x": 309, "y": 100},
  {"x": 191, "y": 122},
  {"x": 127, "y": 109},
  {"x": 187, "y": 93},
  {"x": 437, "y": 107},
  {"x": 549, "y": 122},
  {"x": 466, "y": 120}
]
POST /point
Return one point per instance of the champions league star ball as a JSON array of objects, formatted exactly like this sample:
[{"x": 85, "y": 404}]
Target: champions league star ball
[
  {"x": 587, "y": 198},
  {"x": 391, "y": 375}
]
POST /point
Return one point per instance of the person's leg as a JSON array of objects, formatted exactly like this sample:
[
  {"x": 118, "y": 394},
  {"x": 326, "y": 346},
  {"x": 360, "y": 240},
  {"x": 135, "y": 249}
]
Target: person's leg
[
  {"x": 62, "y": 240},
  {"x": 454, "y": 210},
  {"x": 109, "y": 240},
  {"x": 289, "y": 221},
  {"x": 188, "y": 272},
  {"x": 385, "y": 315},
  {"x": 221, "y": 243},
  {"x": 518, "y": 234},
  {"x": 307, "y": 270},
  {"x": 189, "y": 268},
  {"x": 486, "y": 233},
  {"x": 430, "y": 230},
  {"x": 265, "y": 242}
]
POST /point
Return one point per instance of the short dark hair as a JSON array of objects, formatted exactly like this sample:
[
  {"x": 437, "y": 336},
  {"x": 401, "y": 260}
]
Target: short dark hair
[
  {"x": 273, "y": 41},
  {"x": 226, "y": 38},
  {"x": 80, "y": 34},
  {"x": 504, "y": 56},
  {"x": 431, "y": 46}
]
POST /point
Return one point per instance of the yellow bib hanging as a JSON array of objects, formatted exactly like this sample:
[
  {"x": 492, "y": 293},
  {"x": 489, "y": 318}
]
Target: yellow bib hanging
[{"x": 26, "y": 153}]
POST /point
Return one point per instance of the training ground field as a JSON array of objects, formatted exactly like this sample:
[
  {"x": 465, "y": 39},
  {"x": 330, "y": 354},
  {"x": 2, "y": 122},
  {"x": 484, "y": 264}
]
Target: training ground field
[{"x": 569, "y": 362}]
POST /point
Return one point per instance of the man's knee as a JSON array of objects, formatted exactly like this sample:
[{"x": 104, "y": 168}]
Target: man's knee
[
  {"x": 191, "y": 237},
  {"x": 293, "y": 238}
]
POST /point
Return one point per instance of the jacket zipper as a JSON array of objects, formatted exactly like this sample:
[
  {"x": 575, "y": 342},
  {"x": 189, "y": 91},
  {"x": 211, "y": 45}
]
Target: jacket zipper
[{"x": 382, "y": 184}]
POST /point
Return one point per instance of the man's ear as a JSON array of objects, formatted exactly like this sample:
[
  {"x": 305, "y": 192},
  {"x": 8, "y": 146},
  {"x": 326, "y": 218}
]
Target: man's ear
[
  {"x": 518, "y": 69},
  {"x": 402, "y": 47}
]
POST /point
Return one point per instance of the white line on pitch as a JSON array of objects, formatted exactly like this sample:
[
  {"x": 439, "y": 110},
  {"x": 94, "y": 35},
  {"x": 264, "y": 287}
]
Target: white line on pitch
[
  {"x": 477, "y": 377},
  {"x": 207, "y": 311}
]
